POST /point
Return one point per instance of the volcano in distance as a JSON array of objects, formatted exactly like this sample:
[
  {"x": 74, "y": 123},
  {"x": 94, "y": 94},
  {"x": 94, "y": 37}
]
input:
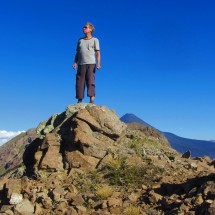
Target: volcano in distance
[{"x": 198, "y": 148}]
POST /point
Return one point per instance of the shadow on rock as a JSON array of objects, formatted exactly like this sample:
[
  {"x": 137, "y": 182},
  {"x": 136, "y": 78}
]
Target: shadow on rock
[
  {"x": 184, "y": 188},
  {"x": 198, "y": 192},
  {"x": 29, "y": 155}
]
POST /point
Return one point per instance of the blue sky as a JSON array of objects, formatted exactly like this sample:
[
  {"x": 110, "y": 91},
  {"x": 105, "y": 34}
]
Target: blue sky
[{"x": 158, "y": 61}]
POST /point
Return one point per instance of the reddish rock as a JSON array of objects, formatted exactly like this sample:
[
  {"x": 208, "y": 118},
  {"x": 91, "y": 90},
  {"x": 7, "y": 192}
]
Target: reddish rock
[
  {"x": 69, "y": 195},
  {"x": 61, "y": 208},
  {"x": 52, "y": 159},
  {"x": 211, "y": 209},
  {"x": 91, "y": 146},
  {"x": 101, "y": 212},
  {"x": 154, "y": 197},
  {"x": 52, "y": 139},
  {"x": 116, "y": 210},
  {"x": 77, "y": 160},
  {"x": 38, "y": 209},
  {"x": 72, "y": 189},
  {"x": 104, "y": 204},
  {"x": 57, "y": 193},
  {"x": 102, "y": 119},
  {"x": 77, "y": 200},
  {"x": 3, "y": 181},
  {"x": 47, "y": 203},
  {"x": 198, "y": 200},
  {"x": 81, "y": 210},
  {"x": 134, "y": 197},
  {"x": 71, "y": 211},
  {"x": 113, "y": 202},
  {"x": 13, "y": 186}
]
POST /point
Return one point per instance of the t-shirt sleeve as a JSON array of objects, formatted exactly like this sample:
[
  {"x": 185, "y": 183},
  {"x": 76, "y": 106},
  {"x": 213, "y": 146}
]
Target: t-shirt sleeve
[
  {"x": 97, "y": 47},
  {"x": 77, "y": 48}
]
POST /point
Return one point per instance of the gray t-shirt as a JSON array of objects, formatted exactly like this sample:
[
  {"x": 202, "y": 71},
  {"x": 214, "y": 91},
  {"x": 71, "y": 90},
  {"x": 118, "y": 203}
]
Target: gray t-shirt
[{"x": 86, "y": 50}]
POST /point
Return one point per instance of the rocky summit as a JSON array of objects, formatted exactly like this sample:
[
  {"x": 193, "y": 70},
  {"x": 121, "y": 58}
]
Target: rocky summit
[{"x": 86, "y": 161}]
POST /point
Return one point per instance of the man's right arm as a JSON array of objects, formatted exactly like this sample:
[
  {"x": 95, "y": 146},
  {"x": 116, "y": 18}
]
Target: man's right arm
[
  {"x": 76, "y": 56},
  {"x": 75, "y": 61}
]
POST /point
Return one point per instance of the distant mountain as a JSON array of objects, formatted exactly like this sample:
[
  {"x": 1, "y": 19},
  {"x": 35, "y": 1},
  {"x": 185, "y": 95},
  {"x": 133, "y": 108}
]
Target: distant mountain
[
  {"x": 198, "y": 148},
  {"x": 129, "y": 118}
]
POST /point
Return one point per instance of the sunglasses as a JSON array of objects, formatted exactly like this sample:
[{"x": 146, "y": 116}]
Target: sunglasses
[{"x": 85, "y": 27}]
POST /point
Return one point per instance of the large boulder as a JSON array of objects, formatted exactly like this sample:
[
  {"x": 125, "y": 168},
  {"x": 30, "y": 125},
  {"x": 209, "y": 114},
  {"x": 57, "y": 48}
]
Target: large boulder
[
  {"x": 78, "y": 138},
  {"x": 51, "y": 158},
  {"x": 102, "y": 120}
]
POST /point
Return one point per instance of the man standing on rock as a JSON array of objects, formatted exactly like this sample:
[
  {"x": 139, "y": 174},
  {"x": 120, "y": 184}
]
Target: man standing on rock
[{"x": 88, "y": 59}]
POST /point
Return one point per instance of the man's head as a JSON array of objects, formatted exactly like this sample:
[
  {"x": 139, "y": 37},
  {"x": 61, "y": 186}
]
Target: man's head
[{"x": 88, "y": 27}]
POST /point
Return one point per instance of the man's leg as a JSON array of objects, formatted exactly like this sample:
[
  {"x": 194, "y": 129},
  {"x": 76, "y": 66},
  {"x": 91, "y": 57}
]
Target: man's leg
[
  {"x": 80, "y": 82},
  {"x": 90, "y": 81}
]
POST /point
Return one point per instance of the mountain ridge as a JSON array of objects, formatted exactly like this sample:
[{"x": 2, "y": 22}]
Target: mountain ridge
[{"x": 198, "y": 148}]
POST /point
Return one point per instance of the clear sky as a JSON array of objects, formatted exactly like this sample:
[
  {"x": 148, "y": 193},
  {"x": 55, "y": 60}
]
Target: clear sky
[{"x": 158, "y": 61}]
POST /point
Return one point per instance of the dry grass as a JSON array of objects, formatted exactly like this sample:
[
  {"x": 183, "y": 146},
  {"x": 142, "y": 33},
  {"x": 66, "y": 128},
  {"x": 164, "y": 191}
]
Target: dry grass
[
  {"x": 105, "y": 191},
  {"x": 114, "y": 163},
  {"x": 132, "y": 210}
]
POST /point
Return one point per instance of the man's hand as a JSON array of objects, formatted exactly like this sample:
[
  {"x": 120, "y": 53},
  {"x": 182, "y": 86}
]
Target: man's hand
[
  {"x": 98, "y": 66},
  {"x": 74, "y": 65}
]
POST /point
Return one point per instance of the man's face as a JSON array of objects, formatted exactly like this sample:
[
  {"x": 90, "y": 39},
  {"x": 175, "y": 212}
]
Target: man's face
[{"x": 87, "y": 29}]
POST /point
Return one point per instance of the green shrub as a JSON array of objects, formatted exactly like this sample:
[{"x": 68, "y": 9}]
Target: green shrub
[{"x": 126, "y": 174}]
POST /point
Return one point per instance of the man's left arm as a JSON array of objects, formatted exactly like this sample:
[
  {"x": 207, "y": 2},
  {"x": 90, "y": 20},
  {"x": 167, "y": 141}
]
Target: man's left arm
[{"x": 98, "y": 59}]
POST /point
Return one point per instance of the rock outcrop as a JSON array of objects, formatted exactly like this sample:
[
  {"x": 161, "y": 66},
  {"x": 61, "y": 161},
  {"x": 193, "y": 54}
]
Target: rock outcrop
[
  {"x": 80, "y": 138},
  {"x": 86, "y": 161}
]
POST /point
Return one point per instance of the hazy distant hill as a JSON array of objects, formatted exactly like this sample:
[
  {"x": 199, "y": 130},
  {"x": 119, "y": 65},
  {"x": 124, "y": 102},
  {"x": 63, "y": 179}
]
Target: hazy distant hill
[{"x": 198, "y": 148}]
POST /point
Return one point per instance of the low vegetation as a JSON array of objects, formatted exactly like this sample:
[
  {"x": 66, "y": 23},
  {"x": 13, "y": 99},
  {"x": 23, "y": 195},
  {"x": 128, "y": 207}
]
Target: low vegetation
[
  {"x": 105, "y": 191},
  {"x": 119, "y": 172},
  {"x": 132, "y": 210}
]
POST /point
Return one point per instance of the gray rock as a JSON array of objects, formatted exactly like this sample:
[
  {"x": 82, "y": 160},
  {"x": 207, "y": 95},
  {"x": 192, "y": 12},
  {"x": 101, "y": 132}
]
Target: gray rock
[
  {"x": 9, "y": 212},
  {"x": 25, "y": 207},
  {"x": 49, "y": 125},
  {"x": 72, "y": 109},
  {"x": 16, "y": 198}
]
